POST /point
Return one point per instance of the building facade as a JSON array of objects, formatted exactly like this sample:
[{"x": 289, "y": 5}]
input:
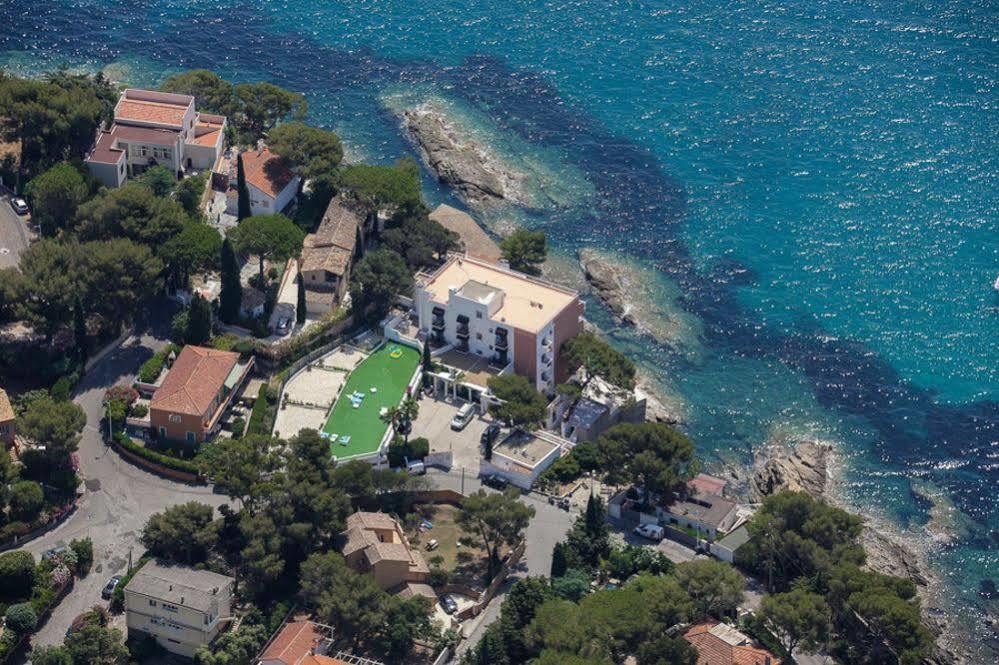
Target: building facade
[
  {"x": 153, "y": 128},
  {"x": 488, "y": 310},
  {"x": 272, "y": 186},
  {"x": 197, "y": 390},
  {"x": 182, "y": 608},
  {"x": 375, "y": 543},
  {"x": 328, "y": 255}
]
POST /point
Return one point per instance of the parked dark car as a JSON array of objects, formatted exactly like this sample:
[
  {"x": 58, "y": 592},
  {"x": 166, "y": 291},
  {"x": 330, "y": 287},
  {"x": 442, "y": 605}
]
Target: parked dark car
[
  {"x": 109, "y": 588},
  {"x": 496, "y": 482},
  {"x": 490, "y": 434},
  {"x": 449, "y": 604}
]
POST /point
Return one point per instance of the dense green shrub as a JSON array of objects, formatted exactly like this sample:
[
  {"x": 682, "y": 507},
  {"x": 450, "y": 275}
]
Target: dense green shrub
[
  {"x": 260, "y": 417},
  {"x": 140, "y": 411},
  {"x": 17, "y": 574},
  {"x": 21, "y": 618},
  {"x": 84, "y": 549},
  {"x": 118, "y": 597},
  {"x": 26, "y": 500},
  {"x": 167, "y": 461},
  {"x": 151, "y": 369}
]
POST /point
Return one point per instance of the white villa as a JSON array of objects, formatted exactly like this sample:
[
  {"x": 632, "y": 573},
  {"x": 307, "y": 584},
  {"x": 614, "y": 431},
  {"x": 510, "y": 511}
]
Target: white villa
[{"x": 155, "y": 128}]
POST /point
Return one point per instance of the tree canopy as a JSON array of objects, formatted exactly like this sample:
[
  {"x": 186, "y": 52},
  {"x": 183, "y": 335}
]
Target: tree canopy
[
  {"x": 311, "y": 151},
  {"x": 600, "y": 359},
  {"x": 55, "y": 196},
  {"x": 381, "y": 187},
  {"x": 183, "y": 533},
  {"x": 273, "y": 237},
  {"x": 525, "y": 250},
  {"x": 498, "y": 519},
  {"x": 421, "y": 241},
  {"x": 521, "y": 404},
  {"x": 379, "y": 278},
  {"x": 54, "y": 425}
]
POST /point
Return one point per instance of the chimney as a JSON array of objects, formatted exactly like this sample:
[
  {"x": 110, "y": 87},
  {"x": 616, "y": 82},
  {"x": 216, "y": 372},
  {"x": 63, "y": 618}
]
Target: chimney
[{"x": 260, "y": 147}]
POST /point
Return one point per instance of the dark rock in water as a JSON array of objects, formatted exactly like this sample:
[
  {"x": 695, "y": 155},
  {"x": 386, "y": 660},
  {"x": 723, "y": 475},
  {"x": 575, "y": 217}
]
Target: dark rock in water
[
  {"x": 987, "y": 589},
  {"x": 608, "y": 282},
  {"x": 476, "y": 175},
  {"x": 800, "y": 469}
]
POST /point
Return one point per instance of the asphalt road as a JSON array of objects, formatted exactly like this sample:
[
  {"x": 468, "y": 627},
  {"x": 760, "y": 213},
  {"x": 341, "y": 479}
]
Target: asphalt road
[
  {"x": 119, "y": 497},
  {"x": 13, "y": 234}
]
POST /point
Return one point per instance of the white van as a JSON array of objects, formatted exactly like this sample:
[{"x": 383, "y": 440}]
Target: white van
[
  {"x": 463, "y": 417},
  {"x": 650, "y": 531}
]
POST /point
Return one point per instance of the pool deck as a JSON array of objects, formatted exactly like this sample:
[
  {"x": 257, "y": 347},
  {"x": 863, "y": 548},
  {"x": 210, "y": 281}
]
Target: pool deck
[{"x": 362, "y": 423}]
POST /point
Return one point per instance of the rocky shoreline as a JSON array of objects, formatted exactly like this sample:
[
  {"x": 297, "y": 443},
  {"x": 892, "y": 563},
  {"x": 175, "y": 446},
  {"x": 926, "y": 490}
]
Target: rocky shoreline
[
  {"x": 475, "y": 173},
  {"x": 812, "y": 467},
  {"x": 608, "y": 283}
]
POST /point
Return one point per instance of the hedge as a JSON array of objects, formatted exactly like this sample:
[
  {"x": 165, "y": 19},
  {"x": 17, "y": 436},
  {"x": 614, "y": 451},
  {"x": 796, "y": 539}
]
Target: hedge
[
  {"x": 259, "y": 414},
  {"x": 151, "y": 369},
  {"x": 174, "y": 463},
  {"x": 118, "y": 596}
]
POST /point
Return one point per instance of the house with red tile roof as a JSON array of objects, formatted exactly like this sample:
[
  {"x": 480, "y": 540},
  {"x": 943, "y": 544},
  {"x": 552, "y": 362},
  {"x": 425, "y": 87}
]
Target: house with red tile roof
[
  {"x": 271, "y": 184},
  {"x": 294, "y": 643},
  {"x": 720, "y": 644},
  {"x": 200, "y": 386},
  {"x": 154, "y": 128}
]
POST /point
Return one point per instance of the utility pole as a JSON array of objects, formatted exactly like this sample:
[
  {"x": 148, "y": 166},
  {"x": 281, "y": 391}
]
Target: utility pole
[{"x": 463, "y": 480}]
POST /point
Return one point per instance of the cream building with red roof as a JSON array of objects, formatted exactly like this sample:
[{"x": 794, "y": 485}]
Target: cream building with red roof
[
  {"x": 271, "y": 184},
  {"x": 155, "y": 129}
]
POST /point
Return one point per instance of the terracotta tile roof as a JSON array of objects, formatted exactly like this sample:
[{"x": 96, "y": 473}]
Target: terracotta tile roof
[
  {"x": 719, "y": 644},
  {"x": 322, "y": 660},
  {"x": 138, "y": 110},
  {"x": 6, "y": 412},
  {"x": 194, "y": 380},
  {"x": 293, "y": 643},
  {"x": 333, "y": 260},
  {"x": 266, "y": 171},
  {"x": 371, "y": 520},
  {"x": 207, "y": 129},
  {"x": 317, "y": 296}
]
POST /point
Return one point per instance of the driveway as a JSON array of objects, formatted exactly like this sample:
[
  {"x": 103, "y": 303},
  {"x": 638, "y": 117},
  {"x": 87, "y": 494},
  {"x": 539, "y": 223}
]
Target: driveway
[
  {"x": 13, "y": 235},
  {"x": 434, "y": 423},
  {"x": 119, "y": 497}
]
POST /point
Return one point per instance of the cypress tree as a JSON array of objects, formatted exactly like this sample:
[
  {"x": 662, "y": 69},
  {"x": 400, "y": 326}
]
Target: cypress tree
[
  {"x": 199, "y": 321},
  {"x": 428, "y": 365},
  {"x": 243, "y": 210},
  {"x": 80, "y": 328},
  {"x": 302, "y": 308},
  {"x": 231, "y": 294},
  {"x": 559, "y": 562}
]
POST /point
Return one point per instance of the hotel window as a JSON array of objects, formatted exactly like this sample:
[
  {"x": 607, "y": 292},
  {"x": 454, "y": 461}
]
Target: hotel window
[
  {"x": 478, "y": 336},
  {"x": 152, "y": 603},
  {"x": 478, "y": 315},
  {"x": 143, "y": 151},
  {"x": 167, "y": 153},
  {"x": 174, "y": 418}
]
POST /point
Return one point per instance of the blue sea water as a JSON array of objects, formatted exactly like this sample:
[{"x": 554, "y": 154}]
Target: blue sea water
[{"x": 816, "y": 180}]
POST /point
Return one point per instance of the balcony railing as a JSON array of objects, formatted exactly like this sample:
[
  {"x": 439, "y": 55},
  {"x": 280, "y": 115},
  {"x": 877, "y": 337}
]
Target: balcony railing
[{"x": 462, "y": 330}]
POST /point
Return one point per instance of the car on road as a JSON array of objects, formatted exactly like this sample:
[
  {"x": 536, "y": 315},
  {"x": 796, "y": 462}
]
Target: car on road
[
  {"x": 19, "y": 205},
  {"x": 109, "y": 588},
  {"x": 449, "y": 604},
  {"x": 650, "y": 531},
  {"x": 54, "y": 552},
  {"x": 494, "y": 481},
  {"x": 463, "y": 417},
  {"x": 490, "y": 434}
]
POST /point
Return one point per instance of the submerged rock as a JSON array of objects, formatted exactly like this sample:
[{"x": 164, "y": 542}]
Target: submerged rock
[
  {"x": 609, "y": 283},
  {"x": 475, "y": 173}
]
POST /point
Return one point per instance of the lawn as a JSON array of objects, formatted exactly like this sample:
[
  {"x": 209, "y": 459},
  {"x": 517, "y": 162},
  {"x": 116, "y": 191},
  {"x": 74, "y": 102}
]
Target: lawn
[{"x": 388, "y": 370}]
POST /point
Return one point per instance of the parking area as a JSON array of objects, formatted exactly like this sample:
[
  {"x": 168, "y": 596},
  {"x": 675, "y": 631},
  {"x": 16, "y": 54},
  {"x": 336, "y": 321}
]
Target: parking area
[{"x": 434, "y": 423}]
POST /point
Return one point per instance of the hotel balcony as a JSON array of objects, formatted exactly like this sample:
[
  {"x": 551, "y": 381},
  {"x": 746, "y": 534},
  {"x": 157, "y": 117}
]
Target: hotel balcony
[
  {"x": 437, "y": 323},
  {"x": 462, "y": 330}
]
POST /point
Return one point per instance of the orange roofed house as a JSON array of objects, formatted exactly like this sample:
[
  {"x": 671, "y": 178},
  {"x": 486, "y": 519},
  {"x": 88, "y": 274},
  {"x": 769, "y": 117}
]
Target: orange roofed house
[
  {"x": 375, "y": 543},
  {"x": 298, "y": 643},
  {"x": 270, "y": 183},
  {"x": 153, "y": 128},
  {"x": 720, "y": 644},
  {"x": 199, "y": 387}
]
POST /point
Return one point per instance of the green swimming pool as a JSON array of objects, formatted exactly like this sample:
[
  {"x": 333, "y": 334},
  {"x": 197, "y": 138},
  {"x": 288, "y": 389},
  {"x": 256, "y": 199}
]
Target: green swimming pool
[{"x": 354, "y": 426}]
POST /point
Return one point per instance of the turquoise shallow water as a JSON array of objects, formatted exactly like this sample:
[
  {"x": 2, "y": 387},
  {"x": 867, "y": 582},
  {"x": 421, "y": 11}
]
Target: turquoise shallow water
[{"x": 817, "y": 181}]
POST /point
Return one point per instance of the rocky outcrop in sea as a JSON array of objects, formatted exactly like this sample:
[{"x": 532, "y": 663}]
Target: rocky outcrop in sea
[
  {"x": 608, "y": 282},
  {"x": 477, "y": 175},
  {"x": 802, "y": 468}
]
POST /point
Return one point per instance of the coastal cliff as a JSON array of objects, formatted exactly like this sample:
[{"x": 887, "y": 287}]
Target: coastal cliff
[{"x": 476, "y": 174}]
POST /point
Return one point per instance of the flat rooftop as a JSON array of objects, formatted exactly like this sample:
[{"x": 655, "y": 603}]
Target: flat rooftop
[
  {"x": 525, "y": 448},
  {"x": 529, "y": 303},
  {"x": 704, "y": 508}
]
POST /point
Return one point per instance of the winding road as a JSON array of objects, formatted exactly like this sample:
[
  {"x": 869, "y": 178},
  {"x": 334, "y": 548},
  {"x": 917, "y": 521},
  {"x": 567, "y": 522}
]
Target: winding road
[{"x": 119, "y": 497}]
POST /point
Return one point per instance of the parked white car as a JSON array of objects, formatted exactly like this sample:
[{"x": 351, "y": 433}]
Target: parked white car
[{"x": 650, "y": 531}]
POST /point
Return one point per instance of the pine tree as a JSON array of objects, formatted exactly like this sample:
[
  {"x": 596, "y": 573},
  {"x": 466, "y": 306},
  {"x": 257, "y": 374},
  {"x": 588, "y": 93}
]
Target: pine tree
[
  {"x": 302, "y": 309},
  {"x": 243, "y": 209},
  {"x": 231, "y": 294},
  {"x": 559, "y": 562},
  {"x": 199, "y": 321},
  {"x": 80, "y": 328}
]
